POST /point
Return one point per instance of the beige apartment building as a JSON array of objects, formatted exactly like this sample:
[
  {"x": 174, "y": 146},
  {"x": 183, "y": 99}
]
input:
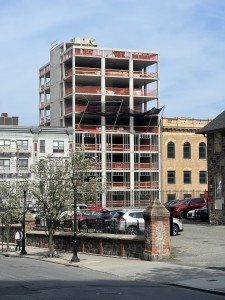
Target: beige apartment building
[{"x": 183, "y": 158}]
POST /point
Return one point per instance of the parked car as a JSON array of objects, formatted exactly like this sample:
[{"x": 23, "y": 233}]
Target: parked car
[
  {"x": 132, "y": 222},
  {"x": 171, "y": 202},
  {"x": 104, "y": 219},
  {"x": 203, "y": 213},
  {"x": 85, "y": 219},
  {"x": 192, "y": 214},
  {"x": 181, "y": 209}
]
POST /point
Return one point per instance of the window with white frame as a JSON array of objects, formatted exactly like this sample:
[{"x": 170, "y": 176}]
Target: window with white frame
[
  {"x": 23, "y": 163},
  {"x": 4, "y": 164},
  {"x": 4, "y": 144},
  {"x": 23, "y": 145},
  {"x": 42, "y": 146},
  {"x": 58, "y": 146}
]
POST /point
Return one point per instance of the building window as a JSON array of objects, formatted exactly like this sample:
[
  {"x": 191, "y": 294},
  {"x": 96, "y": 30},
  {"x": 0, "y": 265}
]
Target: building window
[
  {"x": 217, "y": 142},
  {"x": 187, "y": 177},
  {"x": 4, "y": 164},
  {"x": 171, "y": 177},
  {"x": 187, "y": 196},
  {"x": 202, "y": 151},
  {"x": 171, "y": 150},
  {"x": 202, "y": 177},
  {"x": 4, "y": 144},
  {"x": 23, "y": 163},
  {"x": 22, "y": 145},
  {"x": 187, "y": 150},
  {"x": 218, "y": 184},
  {"x": 171, "y": 197},
  {"x": 42, "y": 146},
  {"x": 58, "y": 146}
]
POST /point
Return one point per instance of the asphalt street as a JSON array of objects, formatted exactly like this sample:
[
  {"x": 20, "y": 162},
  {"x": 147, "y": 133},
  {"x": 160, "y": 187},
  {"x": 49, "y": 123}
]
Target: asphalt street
[
  {"x": 25, "y": 279},
  {"x": 197, "y": 263}
]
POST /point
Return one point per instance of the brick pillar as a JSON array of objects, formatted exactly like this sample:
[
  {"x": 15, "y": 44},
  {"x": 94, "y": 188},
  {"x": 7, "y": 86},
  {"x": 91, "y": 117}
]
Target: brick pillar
[{"x": 157, "y": 231}]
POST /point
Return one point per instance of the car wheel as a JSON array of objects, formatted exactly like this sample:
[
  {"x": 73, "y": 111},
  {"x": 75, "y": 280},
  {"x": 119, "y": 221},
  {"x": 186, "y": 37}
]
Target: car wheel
[
  {"x": 182, "y": 214},
  {"x": 132, "y": 230},
  {"x": 175, "y": 229}
]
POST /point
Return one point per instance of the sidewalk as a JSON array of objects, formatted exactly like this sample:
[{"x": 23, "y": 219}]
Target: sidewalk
[{"x": 164, "y": 272}]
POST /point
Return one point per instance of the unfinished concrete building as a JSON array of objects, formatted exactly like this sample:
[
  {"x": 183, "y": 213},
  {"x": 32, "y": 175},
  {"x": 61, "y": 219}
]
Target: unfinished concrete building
[{"x": 110, "y": 97}]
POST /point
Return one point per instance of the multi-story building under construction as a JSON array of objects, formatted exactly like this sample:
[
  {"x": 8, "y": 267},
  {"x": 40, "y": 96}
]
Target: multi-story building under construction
[{"x": 110, "y": 97}]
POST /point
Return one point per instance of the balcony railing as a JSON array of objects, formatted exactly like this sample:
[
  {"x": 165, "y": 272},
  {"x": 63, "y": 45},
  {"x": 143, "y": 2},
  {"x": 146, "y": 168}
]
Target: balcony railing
[
  {"x": 110, "y": 91},
  {"x": 146, "y": 166},
  {"x": 146, "y": 184},
  {"x": 44, "y": 70},
  {"x": 119, "y": 128},
  {"x": 110, "y": 72},
  {"x": 109, "y": 54},
  {"x": 45, "y": 103},
  {"x": 118, "y": 166},
  {"x": 119, "y": 184},
  {"x": 146, "y": 147}
]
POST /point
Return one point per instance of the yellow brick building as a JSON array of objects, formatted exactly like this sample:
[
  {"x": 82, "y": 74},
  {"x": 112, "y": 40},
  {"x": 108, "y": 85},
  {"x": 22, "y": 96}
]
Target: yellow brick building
[{"x": 183, "y": 158}]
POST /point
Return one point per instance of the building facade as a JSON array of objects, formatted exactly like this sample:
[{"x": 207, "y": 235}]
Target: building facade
[
  {"x": 183, "y": 158},
  {"x": 110, "y": 97},
  {"x": 22, "y": 146},
  {"x": 215, "y": 134}
]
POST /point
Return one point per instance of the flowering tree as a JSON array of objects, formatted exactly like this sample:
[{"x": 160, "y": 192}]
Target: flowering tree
[
  {"x": 11, "y": 205},
  {"x": 52, "y": 187}
]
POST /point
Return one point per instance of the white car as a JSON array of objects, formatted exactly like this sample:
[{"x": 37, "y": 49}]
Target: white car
[
  {"x": 132, "y": 222},
  {"x": 192, "y": 214}
]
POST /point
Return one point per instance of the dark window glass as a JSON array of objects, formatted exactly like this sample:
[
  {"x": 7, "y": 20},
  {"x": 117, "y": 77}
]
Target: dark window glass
[
  {"x": 171, "y": 150},
  {"x": 42, "y": 146},
  {"x": 187, "y": 196},
  {"x": 171, "y": 177},
  {"x": 23, "y": 163},
  {"x": 187, "y": 177},
  {"x": 202, "y": 151},
  {"x": 171, "y": 197},
  {"x": 187, "y": 150},
  {"x": 202, "y": 177}
]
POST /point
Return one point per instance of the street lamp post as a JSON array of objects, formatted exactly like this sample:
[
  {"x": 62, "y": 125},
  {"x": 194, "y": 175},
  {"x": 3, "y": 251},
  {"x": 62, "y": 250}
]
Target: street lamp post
[
  {"x": 75, "y": 258},
  {"x": 23, "y": 251}
]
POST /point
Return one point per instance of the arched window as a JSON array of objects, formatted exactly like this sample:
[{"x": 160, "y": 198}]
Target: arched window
[
  {"x": 171, "y": 150},
  {"x": 202, "y": 151},
  {"x": 187, "y": 150}
]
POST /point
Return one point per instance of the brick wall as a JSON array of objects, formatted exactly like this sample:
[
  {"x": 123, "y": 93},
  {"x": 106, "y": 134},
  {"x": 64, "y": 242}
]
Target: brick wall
[{"x": 96, "y": 243}]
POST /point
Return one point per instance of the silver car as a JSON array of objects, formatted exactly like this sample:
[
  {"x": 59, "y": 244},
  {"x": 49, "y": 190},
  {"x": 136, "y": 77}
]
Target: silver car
[{"x": 132, "y": 222}]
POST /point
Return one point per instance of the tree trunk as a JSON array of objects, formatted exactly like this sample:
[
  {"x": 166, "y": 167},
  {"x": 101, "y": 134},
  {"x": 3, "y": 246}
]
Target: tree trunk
[{"x": 51, "y": 244}]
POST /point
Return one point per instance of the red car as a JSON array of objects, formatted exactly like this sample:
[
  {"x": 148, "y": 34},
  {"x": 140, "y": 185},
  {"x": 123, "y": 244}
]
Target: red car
[{"x": 180, "y": 210}]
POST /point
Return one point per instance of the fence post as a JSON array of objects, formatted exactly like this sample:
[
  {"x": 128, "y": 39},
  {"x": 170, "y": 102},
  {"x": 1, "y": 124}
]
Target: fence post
[{"x": 157, "y": 231}]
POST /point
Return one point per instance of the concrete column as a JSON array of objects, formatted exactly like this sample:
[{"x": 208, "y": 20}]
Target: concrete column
[{"x": 157, "y": 231}]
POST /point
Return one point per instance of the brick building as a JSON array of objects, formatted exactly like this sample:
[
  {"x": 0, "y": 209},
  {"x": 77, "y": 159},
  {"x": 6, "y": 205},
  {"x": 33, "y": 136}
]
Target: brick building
[{"x": 215, "y": 134}]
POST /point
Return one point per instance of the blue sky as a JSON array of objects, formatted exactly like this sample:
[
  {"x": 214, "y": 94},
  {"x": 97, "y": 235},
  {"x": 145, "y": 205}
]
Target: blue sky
[{"x": 189, "y": 36}]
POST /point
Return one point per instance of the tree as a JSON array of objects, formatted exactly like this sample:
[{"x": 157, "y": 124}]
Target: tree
[
  {"x": 52, "y": 187},
  {"x": 10, "y": 205}
]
